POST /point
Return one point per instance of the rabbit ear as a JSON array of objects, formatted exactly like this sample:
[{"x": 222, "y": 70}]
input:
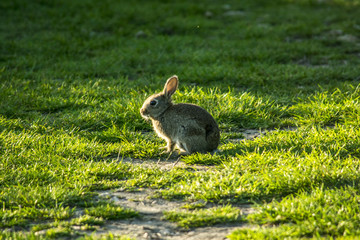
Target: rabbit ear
[{"x": 171, "y": 85}]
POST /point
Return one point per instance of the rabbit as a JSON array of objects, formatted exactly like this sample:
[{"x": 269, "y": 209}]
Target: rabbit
[{"x": 188, "y": 127}]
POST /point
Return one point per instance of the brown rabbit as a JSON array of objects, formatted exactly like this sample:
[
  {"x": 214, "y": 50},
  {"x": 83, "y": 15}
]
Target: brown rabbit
[{"x": 187, "y": 126}]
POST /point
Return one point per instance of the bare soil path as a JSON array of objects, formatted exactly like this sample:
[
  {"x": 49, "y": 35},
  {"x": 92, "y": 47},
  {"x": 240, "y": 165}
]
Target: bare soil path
[{"x": 151, "y": 225}]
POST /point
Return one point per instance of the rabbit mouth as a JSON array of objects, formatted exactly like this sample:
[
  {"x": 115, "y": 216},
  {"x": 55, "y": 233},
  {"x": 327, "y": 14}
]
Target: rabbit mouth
[{"x": 144, "y": 113}]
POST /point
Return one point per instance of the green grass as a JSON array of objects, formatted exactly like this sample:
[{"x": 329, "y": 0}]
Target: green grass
[
  {"x": 74, "y": 74},
  {"x": 111, "y": 212},
  {"x": 322, "y": 212},
  {"x": 205, "y": 217},
  {"x": 333, "y": 212}
]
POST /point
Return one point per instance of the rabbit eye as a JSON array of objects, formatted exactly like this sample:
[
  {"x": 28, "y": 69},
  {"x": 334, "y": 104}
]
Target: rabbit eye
[{"x": 153, "y": 102}]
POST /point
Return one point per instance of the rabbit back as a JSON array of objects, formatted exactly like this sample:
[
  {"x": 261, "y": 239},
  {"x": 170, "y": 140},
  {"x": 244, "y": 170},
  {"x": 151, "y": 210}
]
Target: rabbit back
[{"x": 190, "y": 127}]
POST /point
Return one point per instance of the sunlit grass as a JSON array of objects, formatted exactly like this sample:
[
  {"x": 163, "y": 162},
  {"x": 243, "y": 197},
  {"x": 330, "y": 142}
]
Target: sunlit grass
[
  {"x": 111, "y": 212},
  {"x": 205, "y": 217},
  {"x": 329, "y": 212}
]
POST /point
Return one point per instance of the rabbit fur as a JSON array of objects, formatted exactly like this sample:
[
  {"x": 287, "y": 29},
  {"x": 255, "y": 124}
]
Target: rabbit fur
[{"x": 188, "y": 127}]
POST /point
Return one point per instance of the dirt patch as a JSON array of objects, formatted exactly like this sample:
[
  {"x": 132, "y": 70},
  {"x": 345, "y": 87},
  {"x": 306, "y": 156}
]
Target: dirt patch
[
  {"x": 151, "y": 224},
  {"x": 162, "y": 164},
  {"x": 251, "y": 133}
]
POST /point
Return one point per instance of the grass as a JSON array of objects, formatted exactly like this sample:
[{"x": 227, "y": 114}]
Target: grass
[
  {"x": 205, "y": 217},
  {"x": 111, "y": 212},
  {"x": 322, "y": 212},
  {"x": 74, "y": 74}
]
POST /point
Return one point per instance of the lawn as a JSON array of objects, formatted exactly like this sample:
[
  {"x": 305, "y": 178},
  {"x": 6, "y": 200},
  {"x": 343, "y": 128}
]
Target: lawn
[{"x": 74, "y": 74}]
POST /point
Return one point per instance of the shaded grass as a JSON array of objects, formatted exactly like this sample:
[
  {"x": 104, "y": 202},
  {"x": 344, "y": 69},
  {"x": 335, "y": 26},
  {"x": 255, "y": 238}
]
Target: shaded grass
[{"x": 263, "y": 47}]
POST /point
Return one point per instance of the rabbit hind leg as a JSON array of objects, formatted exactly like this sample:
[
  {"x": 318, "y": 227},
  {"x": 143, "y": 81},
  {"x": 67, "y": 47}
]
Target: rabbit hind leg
[{"x": 194, "y": 144}]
